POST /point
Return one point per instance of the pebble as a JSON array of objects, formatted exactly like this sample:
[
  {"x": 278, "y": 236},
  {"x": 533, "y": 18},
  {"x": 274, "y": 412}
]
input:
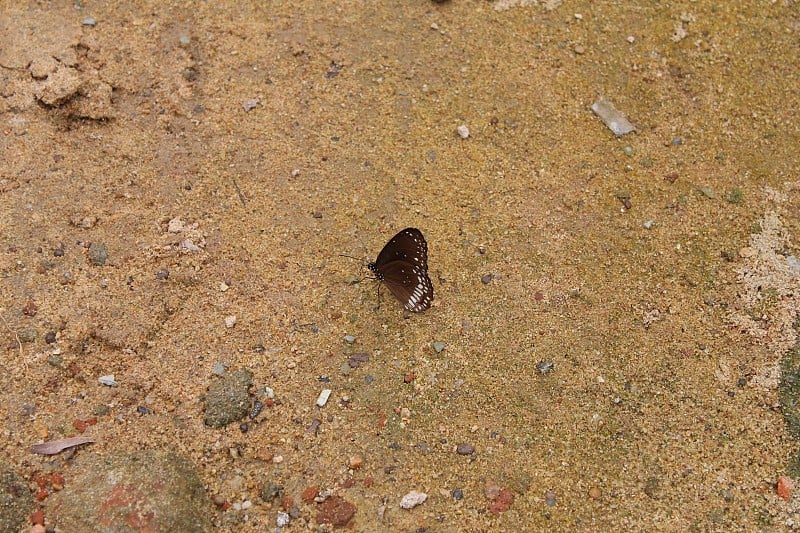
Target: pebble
[
  {"x": 458, "y": 494},
  {"x": 463, "y": 131},
  {"x": 355, "y": 462},
  {"x": 230, "y": 321},
  {"x": 492, "y": 490},
  {"x": 502, "y": 503},
  {"x": 439, "y": 346},
  {"x": 486, "y": 279},
  {"x": 349, "y": 339},
  {"x": 50, "y": 337},
  {"x": 227, "y": 398},
  {"x": 412, "y": 499},
  {"x": 595, "y": 493},
  {"x": 89, "y": 21},
  {"x": 544, "y": 367},
  {"x": 219, "y": 368},
  {"x": 271, "y": 491},
  {"x": 282, "y": 519},
  {"x": 27, "y": 334},
  {"x": 98, "y": 254},
  {"x": 648, "y": 224},
  {"x": 323, "y": 397},
  {"x": 708, "y": 192},
  {"x": 785, "y": 488},
  {"x": 176, "y": 225},
  {"x": 336, "y": 511},
  {"x": 187, "y": 244},
  {"x": 249, "y": 104},
  {"x": 258, "y": 406},
  {"x": 550, "y": 498},
  {"x": 108, "y": 380},
  {"x": 357, "y": 358},
  {"x": 465, "y": 449},
  {"x": 613, "y": 119}
]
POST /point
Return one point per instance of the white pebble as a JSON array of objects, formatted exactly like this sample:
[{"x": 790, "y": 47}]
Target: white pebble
[
  {"x": 283, "y": 519},
  {"x": 175, "y": 225},
  {"x": 412, "y": 499},
  {"x": 463, "y": 131},
  {"x": 108, "y": 380},
  {"x": 247, "y": 504},
  {"x": 187, "y": 244},
  {"x": 230, "y": 321},
  {"x": 323, "y": 397},
  {"x": 612, "y": 118},
  {"x": 648, "y": 224}
]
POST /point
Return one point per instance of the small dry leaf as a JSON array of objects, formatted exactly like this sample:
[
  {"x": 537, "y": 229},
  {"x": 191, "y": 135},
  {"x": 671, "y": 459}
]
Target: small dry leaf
[{"x": 56, "y": 446}]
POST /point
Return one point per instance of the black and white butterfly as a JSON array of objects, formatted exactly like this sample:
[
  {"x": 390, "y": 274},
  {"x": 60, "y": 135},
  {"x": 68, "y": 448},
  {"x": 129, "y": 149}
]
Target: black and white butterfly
[{"x": 403, "y": 266}]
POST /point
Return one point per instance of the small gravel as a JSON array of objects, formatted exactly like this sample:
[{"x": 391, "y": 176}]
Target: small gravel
[
  {"x": 465, "y": 449},
  {"x": 412, "y": 499}
]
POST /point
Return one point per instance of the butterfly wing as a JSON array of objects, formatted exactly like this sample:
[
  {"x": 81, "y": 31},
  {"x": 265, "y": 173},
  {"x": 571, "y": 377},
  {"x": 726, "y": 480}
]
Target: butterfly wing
[
  {"x": 408, "y": 245},
  {"x": 409, "y": 283}
]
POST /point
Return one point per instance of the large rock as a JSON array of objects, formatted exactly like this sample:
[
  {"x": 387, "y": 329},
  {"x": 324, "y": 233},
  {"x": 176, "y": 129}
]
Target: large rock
[
  {"x": 149, "y": 490},
  {"x": 16, "y": 500}
]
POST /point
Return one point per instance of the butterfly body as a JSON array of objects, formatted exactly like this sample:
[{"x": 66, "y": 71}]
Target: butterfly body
[{"x": 403, "y": 266}]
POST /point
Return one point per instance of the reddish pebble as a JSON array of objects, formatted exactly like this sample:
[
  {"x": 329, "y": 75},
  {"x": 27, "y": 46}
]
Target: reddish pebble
[
  {"x": 336, "y": 511},
  {"x": 595, "y": 493},
  {"x": 785, "y": 488},
  {"x": 309, "y": 494},
  {"x": 57, "y": 481},
  {"x": 367, "y": 482},
  {"x": 38, "y": 517},
  {"x": 347, "y": 483},
  {"x": 355, "y": 462},
  {"x": 41, "y": 480},
  {"x": 411, "y": 376},
  {"x": 82, "y": 425},
  {"x": 502, "y": 502},
  {"x": 287, "y": 502},
  {"x": 41, "y": 494},
  {"x": 381, "y": 422}
]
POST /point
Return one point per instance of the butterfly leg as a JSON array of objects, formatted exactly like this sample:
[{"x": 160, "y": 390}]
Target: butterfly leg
[{"x": 378, "y": 290}]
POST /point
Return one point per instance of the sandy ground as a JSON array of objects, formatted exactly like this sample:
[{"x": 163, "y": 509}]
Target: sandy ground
[{"x": 224, "y": 157}]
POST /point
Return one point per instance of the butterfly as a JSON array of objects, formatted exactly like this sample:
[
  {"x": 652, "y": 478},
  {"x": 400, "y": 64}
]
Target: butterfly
[{"x": 403, "y": 266}]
